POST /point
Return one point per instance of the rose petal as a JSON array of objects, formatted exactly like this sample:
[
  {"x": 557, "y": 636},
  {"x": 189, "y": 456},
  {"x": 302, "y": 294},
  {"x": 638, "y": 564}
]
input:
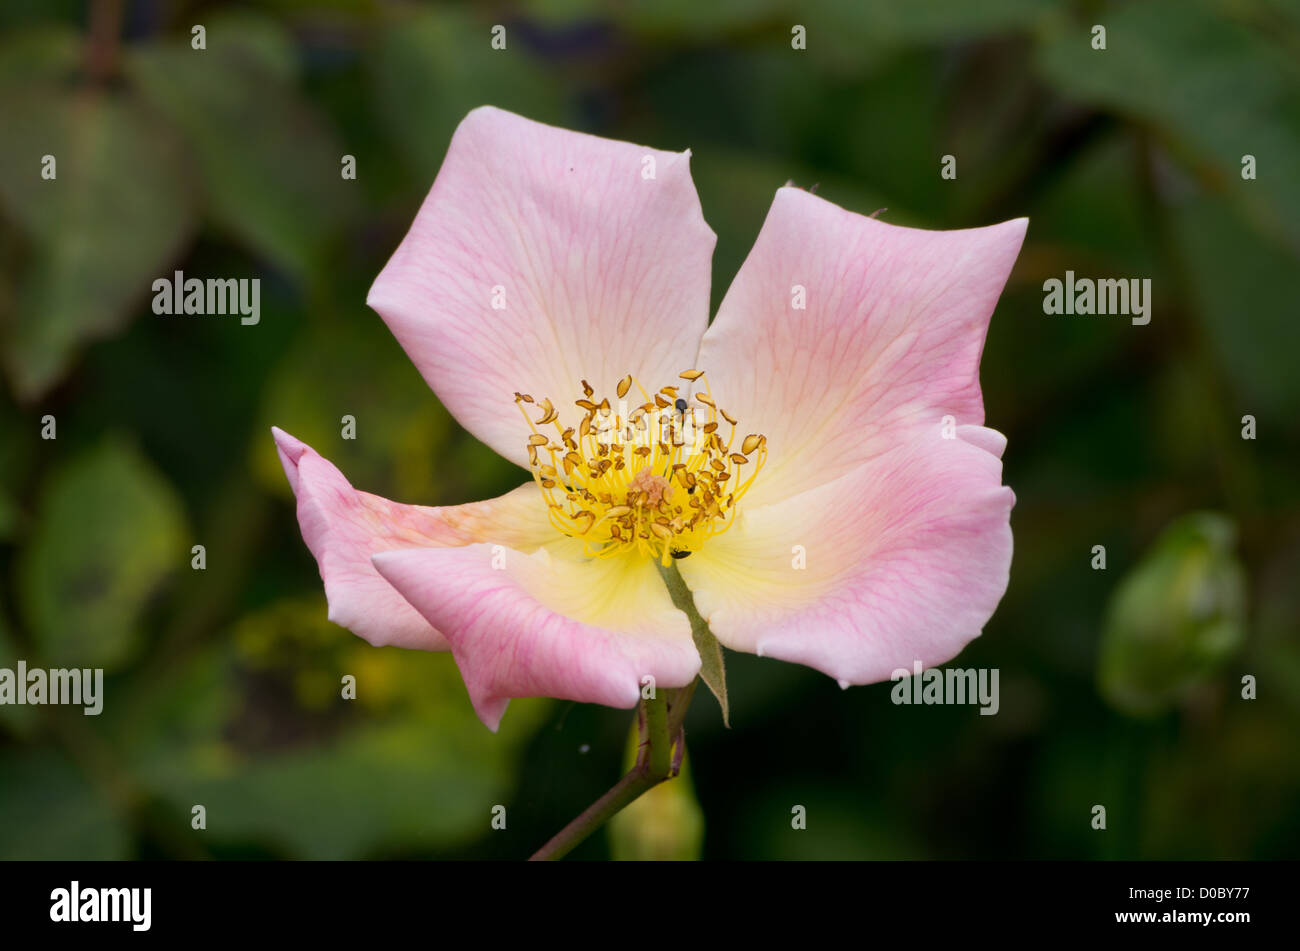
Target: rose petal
[
  {"x": 604, "y": 271},
  {"x": 892, "y": 332},
  {"x": 906, "y": 559},
  {"x": 547, "y": 625},
  {"x": 344, "y": 528}
]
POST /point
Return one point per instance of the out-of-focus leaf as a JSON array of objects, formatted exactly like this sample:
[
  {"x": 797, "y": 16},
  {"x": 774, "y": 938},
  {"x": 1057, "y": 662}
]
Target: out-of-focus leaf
[
  {"x": 1246, "y": 766},
  {"x": 15, "y": 458},
  {"x": 430, "y": 69},
  {"x": 41, "y": 55},
  {"x": 1243, "y": 288},
  {"x": 1213, "y": 84},
  {"x": 51, "y": 814},
  {"x": 405, "y": 768},
  {"x": 117, "y": 213},
  {"x": 672, "y": 19},
  {"x": 109, "y": 530},
  {"x": 1175, "y": 618},
  {"x": 928, "y": 21},
  {"x": 894, "y": 130},
  {"x": 837, "y": 827},
  {"x": 1089, "y": 221},
  {"x": 355, "y": 369},
  {"x": 1093, "y": 211},
  {"x": 827, "y": 21},
  {"x": 20, "y": 718},
  {"x": 737, "y": 190},
  {"x": 270, "y": 163},
  {"x": 256, "y": 37}
]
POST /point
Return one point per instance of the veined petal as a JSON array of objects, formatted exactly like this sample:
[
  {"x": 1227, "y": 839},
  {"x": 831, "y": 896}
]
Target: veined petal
[
  {"x": 890, "y": 334},
  {"x": 547, "y": 624},
  {"x": 344, "y": 528},
  {"x": 594, "y": 252},
  {"x": 903, "y": 559}
]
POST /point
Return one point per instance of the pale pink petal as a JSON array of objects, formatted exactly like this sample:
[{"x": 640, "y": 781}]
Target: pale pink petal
[
  {"x": 546, "y": 624},
  {"x": 597, "y": 248},
  {"x": 905, "y": 558},
  {"x": 890, "y": 335},
  {"x": 344, "y": 528}
]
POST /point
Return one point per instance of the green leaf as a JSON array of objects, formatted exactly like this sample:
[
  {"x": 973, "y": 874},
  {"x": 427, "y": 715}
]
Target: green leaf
[
  {"x": 1214, "y": 87},
  {"x": 929, "y": 21},
  {"x": 109, "y": 531},
  {"x": 51, "y": 814},
  {"x": 1242, "y": 287},
  {"x": 16, "y": 452},
  {"x": 119, "y": 210},
  {"x": 1175, "y": 618},
  {"x": 257, "y": 730},
  {"x": 355, "y": 368},
  {"x": 270, "y": 163},
  {"x": 712, "y": 667},
  {"x": 431, "y": 69},
  {"x": 39, "y": 55},
  {"x": 831, "y": 25},
  {"x": 21, "y": 719},
  {"x": 258, "y": 38}
]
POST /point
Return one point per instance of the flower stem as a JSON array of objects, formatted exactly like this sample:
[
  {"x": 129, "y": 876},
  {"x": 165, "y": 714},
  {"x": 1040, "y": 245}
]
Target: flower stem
[{"x": 659, "y": 721}]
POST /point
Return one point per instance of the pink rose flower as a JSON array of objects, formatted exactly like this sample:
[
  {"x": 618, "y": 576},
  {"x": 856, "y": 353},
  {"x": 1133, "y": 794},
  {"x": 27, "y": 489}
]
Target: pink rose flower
[{"x": 814, "y": 462}]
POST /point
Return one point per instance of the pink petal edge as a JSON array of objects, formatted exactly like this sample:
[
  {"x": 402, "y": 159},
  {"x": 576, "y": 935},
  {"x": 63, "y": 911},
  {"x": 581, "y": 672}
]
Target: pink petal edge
[
  {"x": 904, "y": 559},
  {"x": 513, "y": 632},
  {"x": 602, "y": 269},
  {"x": 343, "y": 528},
  {"x": 891, "y": 333}
]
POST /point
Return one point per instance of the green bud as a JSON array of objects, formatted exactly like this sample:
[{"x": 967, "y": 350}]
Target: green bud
[
  {"x": 1175, "y": 618},
  {"x": 665, "y": 824}
]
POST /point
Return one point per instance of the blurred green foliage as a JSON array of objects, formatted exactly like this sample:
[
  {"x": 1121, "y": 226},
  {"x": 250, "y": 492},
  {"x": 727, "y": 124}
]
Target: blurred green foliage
[
  {"x": 223, "y": 685},
  {"x": 1176, "y": 617}
]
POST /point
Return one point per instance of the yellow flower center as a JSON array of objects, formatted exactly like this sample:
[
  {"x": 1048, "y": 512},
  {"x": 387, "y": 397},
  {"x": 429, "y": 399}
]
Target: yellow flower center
[{"x": 656, "y": 479}]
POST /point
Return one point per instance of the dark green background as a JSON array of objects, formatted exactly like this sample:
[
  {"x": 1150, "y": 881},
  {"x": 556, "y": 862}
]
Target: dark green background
[{"x": 222, "y": 684}]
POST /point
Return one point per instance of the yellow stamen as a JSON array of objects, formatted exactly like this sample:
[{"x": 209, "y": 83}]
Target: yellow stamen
[{"x": 650, "y": 481}]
